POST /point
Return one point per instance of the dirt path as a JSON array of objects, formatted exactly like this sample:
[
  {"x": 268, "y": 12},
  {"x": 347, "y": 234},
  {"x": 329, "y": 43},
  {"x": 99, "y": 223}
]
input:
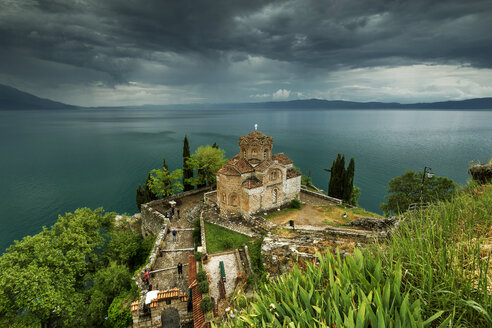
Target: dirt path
[{"x": 315, "y": 216}]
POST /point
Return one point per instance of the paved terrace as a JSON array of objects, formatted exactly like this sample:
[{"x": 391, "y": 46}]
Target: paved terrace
[{"x": 165, "y": 274}]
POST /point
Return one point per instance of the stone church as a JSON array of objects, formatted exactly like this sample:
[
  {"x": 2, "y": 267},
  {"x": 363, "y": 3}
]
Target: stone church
[{"x": 255, "y": 180}]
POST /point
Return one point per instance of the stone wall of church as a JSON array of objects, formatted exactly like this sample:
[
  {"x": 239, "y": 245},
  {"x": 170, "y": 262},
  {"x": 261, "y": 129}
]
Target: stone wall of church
[
  {"x": 229, "y": 191},
  {"x": 292, "y": 188},
  {"x": 255, "y": 200}
]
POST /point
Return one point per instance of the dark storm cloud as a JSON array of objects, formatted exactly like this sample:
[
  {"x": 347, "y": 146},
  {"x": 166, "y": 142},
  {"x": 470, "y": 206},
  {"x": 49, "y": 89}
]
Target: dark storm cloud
[{"x": 183, "y": 42}]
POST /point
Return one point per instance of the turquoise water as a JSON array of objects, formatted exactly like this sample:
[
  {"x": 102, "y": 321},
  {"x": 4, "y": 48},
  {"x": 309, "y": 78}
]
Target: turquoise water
[{"x": 53, "y": 162}]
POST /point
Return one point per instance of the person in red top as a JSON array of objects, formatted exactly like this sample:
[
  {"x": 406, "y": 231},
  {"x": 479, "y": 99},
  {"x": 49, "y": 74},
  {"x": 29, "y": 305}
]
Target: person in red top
[{"x": 146, "y": 277}]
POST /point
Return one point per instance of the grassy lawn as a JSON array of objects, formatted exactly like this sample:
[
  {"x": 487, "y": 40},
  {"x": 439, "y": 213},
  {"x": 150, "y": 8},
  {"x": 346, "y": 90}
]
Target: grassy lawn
[
  {"x": 361, "y": 211},
  {"x": 222, "y": 239},
  {"x": 335, "y": 215},
  {"x": 282, "y": 212}
]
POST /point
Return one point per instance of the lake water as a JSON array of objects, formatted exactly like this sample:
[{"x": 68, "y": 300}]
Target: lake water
[{"x": 52, "y": 162}]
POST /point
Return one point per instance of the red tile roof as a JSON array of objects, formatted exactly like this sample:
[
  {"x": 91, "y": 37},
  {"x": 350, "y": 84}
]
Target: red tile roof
[
  {"x": 191, "y": 269},
  {"x": 243, "y": 166},
  {"x": 282, "y": 159},
  {"x": 291, "y": 173},
  {"x": 198, "y": 315},
  {"x": 252, "y": 183},
  {"x": 229, "y": 170},
  {"x": 255, "y": 136},
  {"x": 170, "y": 293},
  {"x": 196, "y": 296},
  {"x": 263, "y": 166}
]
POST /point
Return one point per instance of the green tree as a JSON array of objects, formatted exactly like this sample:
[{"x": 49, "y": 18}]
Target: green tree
[
  {"x": 405, "y": 190},
  {"x": 108, "y": 283},
  {"x": 337, "y": 172},
  {"x": 164, "y": 183},
  {"x": 124, "y": 246},
  {"x": 207, "y": 160},
  {"x": 145, "y": 195},
  {"x": 42, "y": 278},
  {"x": 187, "y": 170},
  {"x": 348, "y": 185},
  {"x": 341, "y": 183}
]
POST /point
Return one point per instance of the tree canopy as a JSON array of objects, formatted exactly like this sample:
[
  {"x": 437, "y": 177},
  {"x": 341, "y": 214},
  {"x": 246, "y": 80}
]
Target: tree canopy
[
  {"x": 405, "y": 190},
  {"x": 207, "y": 160},
  {"x": 65, "y": 276},
  {"x": 165, "y": 183},
  {"x": 341, "y": 183}
]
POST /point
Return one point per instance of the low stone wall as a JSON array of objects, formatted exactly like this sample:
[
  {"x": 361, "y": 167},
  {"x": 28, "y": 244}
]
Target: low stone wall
[
  {"x": 158, "y": 245},
  {"x": 333, "y": 200},
  {"x": 210, "y": 198},
  {"x": 152, "y": 220},
  {"x": 202, "y": 234}
]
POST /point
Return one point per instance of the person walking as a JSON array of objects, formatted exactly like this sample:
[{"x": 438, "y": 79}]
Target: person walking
[
  {"x": 177, "y": 211},
  {"x": 180, "y": 270},
  {"x": 174, "y": 234},
  {"x": 146, "y": 277}
]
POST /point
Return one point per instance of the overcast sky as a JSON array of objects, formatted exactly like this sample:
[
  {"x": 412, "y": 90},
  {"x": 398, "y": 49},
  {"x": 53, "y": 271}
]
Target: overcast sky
[{"x": 107, "y": 52}]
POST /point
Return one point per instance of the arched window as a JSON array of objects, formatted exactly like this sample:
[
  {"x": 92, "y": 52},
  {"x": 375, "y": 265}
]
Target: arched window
[
  {"x": 233, "y": 200},
  {"x": 273, "y": 175},
  {"x": 265, "y": 154},
  {"x": 274, "y": 196},
  {"x": 253, "y": 153},
  {"x": 223, "y": 198}
]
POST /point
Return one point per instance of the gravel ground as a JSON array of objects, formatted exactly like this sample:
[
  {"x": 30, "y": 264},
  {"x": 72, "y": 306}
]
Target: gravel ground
[{"x": 231, "y": 271}]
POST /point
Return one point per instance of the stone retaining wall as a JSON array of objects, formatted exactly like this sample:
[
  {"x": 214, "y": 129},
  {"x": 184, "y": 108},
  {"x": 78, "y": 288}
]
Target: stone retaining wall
[
  {"x": 202, "y": 234},
  {"x": 158, "y": 245},
  {"x": 333, "y": 200}
]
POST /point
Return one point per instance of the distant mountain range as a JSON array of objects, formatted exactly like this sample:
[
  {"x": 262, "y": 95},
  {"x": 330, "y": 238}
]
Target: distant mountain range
[{"x": 11, "y": 98}]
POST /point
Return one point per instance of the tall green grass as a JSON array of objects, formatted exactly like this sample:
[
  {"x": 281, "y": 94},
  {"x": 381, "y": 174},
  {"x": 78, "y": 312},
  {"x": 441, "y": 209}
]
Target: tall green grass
[
  {"x": 350, "y": 292},
  {"x": 443, "y": 251},
  {"x": 434, "y": 271}
]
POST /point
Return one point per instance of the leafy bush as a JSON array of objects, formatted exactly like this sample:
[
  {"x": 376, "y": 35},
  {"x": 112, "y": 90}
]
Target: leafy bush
[
  {"x": 206, "y": 304},
  {"x": 198, "y": 256},
  {"x": 201, "y": 276},
  {"x": 197, "y": 237},
  {"x": 295, "y": 203},
  {"x": 119, "y": 315},
  {"x": 203, "y": 287}
]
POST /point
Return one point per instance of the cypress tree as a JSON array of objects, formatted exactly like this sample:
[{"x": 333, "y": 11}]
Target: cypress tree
[
  {"x": 349, "y": 181},
  {"x": 149, "y": 195},
  {"x": 164, "y": 165},
  {"x": 215, "y": 145},
  {"x": 340, "y": 178},
  {"x": 140, "y": 197},
  {"x": 187, "y": 171}
]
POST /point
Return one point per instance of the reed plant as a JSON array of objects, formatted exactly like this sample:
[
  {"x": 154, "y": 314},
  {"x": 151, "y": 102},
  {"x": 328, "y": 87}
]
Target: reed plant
[
  {"x": 336, "y": 292},
  {"x": 445, "y": 252},
  {"x": 434, "y": 271}
]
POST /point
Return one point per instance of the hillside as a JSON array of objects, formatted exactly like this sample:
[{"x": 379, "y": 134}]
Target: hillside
[
  {"x": 435, "y": 270},
  {"x": 11, "y": 98}
]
